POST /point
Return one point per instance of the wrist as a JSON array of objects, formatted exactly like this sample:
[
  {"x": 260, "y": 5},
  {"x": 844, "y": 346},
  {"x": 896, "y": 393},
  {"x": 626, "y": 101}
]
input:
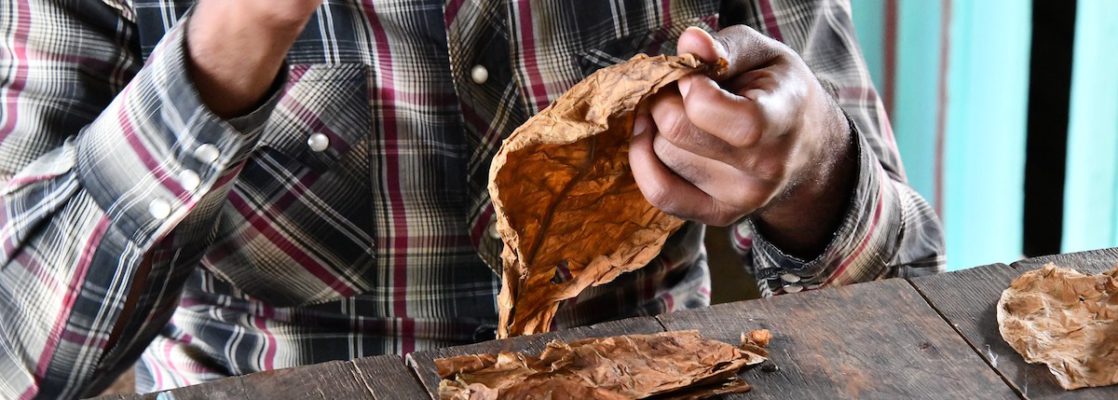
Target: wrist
[
  {"x": 235, "y": 50},
  {"x": 802, "y": 220}
]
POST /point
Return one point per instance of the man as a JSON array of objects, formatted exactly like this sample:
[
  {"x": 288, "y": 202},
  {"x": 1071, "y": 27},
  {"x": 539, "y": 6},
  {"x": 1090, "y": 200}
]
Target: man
[{"x": 235, "y": 186}]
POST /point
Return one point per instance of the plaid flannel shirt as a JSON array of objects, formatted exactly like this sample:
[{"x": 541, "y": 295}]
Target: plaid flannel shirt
[{"x": 346, "y": 216}]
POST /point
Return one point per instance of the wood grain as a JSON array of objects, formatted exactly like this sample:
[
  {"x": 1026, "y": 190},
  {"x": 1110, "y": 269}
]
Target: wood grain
[
  {"x": 1088, "y": 262},
  {"x": 382, "y": 377},
  {"x": 387, "y": 377},
  {"x": 423, "y": 362},
  {"x": 877, "y": 340},
  {"x": 968, "y": 299}
]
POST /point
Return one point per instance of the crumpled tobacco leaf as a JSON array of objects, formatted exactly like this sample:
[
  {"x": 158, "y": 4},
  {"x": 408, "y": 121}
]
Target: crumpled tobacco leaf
[
  {"x": 1066, "y": 320},
  {"x": 567, "y": 207},
  {"x": 677, "y": 365}
]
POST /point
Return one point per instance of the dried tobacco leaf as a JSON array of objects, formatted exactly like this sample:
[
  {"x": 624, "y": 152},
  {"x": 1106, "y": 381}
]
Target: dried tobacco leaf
[
  {"x": 567, "y": 207},
  {"x": 679, "y": 365},
  {"x": 1066, "y": 320}
]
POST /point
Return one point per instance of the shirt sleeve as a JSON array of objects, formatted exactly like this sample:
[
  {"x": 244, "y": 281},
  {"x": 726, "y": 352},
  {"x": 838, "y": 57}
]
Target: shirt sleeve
[
  {"x": 112, "y": 173},
  {"x": 888, "y": 229}
]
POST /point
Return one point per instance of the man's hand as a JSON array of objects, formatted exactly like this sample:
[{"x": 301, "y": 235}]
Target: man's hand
[
  {"x": 763, "y": 138},
  {"x": 237, "y": 47}
]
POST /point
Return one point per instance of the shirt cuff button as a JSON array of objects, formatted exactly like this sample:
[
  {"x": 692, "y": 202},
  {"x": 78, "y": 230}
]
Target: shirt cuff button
[
  {"x": 189, "y": 180},
  {"x": 159, "y": 208},
  {"x": 207, "y": 153}
]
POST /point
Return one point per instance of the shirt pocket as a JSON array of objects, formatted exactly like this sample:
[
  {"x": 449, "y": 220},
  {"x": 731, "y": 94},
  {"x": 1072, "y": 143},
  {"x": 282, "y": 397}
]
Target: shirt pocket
[
  {"x": 649, "y": 33},
  {"x": 298, "y": 226}
]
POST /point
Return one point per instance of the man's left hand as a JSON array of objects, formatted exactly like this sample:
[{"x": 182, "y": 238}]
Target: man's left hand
[{"x": 762, "y": 138}]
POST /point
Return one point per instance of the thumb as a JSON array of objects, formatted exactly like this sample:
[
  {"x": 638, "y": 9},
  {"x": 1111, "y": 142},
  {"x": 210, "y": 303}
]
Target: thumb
[
  {"x": 696, "y": 41},
  {"x": 743, "y": 48}
]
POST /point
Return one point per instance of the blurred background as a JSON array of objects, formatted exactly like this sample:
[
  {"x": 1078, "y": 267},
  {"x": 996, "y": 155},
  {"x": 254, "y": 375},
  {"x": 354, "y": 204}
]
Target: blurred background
[{"x": 1006, "y": 115}]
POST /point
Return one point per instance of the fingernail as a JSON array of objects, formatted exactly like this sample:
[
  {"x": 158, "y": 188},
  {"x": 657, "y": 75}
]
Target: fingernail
[
  {"x": 684, "y": 86},
  {"x": 640, "y": 125},
  {"x": 719, "y": 48}
]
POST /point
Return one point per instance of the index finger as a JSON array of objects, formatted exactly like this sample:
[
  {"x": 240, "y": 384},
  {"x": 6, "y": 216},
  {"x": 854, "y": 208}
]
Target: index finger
[{"x": 733, "y": 119}]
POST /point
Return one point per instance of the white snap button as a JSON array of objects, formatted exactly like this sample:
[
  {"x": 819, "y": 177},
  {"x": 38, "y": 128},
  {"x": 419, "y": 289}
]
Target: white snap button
[
  {"x": 207, "y": 153},
  {"x": 318, "y": 142},
  {"x": 479, "y": 74},
  {"x": 790, "y": 278},
  {"x": 159, "y": 208},
  {"x": 189, "y": 180},
  {"x": 492, "y": 230},
  {"x": 793, "y": 288}
]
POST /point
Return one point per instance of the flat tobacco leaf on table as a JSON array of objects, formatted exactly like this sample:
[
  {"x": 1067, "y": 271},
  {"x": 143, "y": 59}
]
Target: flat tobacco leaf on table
[
  {"x": 670, "y": 365},
  {"x": 1066, "y": 320},
  {"x": 567, "y": 207}
]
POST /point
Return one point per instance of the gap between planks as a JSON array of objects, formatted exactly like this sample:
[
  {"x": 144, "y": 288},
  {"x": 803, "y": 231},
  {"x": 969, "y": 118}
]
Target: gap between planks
[
  {"x": 406, "y": 359},
  {"x": 967, "y": 340}
]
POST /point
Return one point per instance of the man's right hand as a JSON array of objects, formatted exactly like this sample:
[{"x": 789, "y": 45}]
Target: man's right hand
[{"x": 236, "y": 48}]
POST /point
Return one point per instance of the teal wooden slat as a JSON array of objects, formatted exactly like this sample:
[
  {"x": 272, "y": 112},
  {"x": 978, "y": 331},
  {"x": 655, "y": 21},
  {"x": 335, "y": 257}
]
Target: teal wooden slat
[
  {"x": 1091, "y": 189},
  {"x": 917, "y": 90},
  {"x": 986, "y": 130},
  {"x": 869, "y": 26}
]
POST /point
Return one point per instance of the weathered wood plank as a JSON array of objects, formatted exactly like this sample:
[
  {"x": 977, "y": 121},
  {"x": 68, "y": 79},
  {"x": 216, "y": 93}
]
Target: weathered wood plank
[
  {"x": 388, "y": 378},
  {"x": 423, "y": 362},
  {"x": 877, "y": 340},
  {"x": 1088, "y": 262},
  {"x": 382, "y": 377},
  {"x": 968, "y": 299}
]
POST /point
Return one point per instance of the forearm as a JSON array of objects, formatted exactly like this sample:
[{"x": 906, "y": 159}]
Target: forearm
[{"x": 236, "y": 49}]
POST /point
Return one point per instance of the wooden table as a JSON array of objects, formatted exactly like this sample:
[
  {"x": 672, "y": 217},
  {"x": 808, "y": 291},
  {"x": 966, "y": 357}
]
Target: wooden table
[{"x": 928, "y": 337}]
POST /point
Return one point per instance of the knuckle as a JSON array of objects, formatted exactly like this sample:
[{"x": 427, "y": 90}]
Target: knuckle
[
  {"x": 750, "y": 129},
  {"x": 660, "y": 197},
  {"x": 664, "y": 150},
  {"x": 771, "y": 170},
  {"x": 661, "y": 152},
  {"x": 678, "y": 127},
  {"x": 703, "y": 92}
]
